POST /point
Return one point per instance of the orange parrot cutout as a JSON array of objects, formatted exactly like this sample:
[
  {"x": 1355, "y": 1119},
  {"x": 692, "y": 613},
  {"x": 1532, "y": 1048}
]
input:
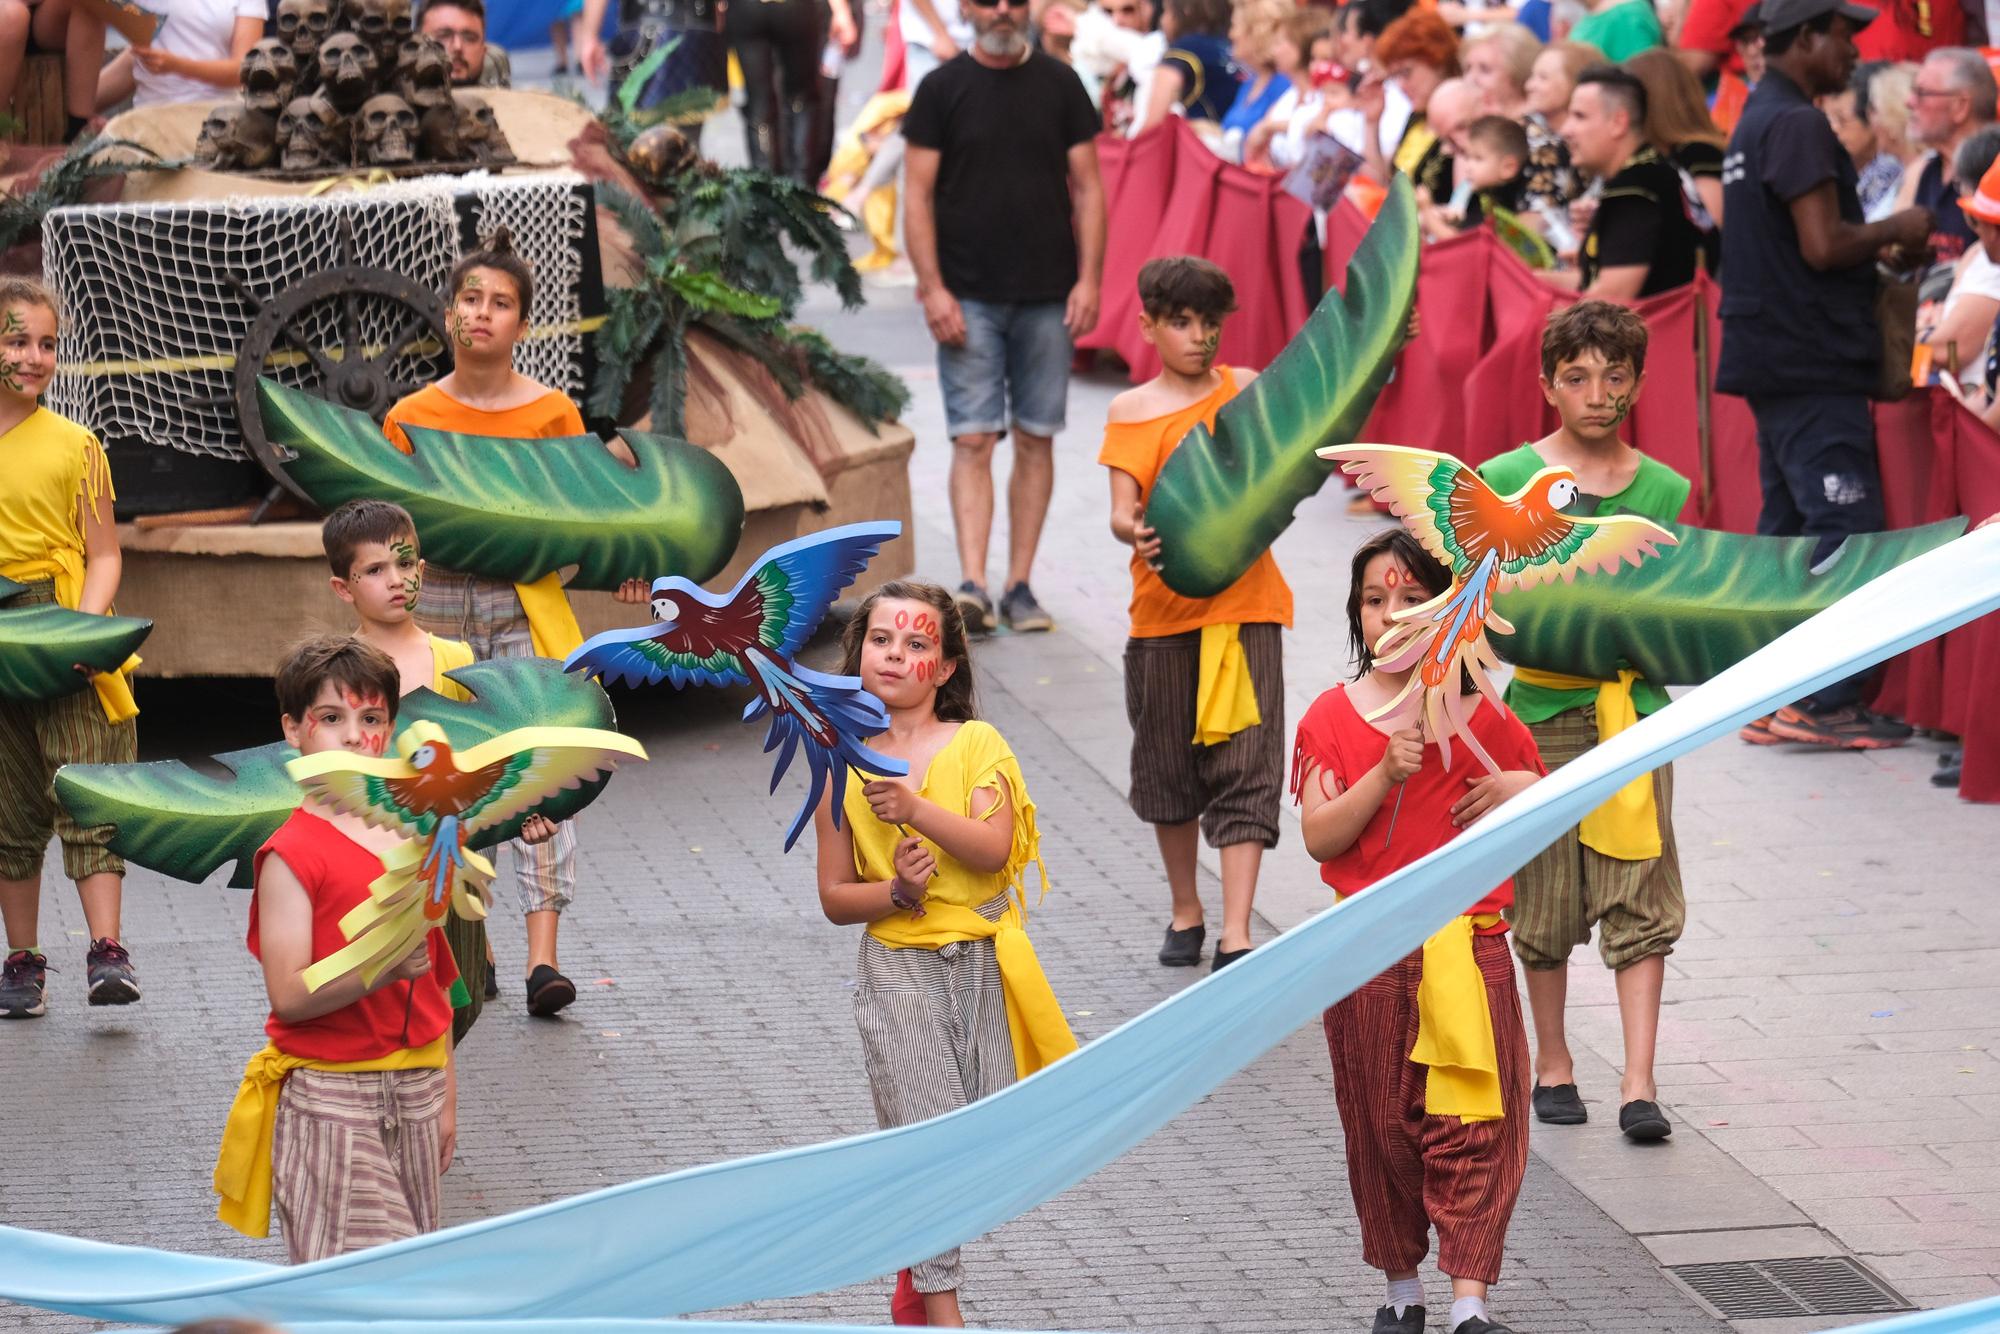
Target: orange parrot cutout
[
  {"x": 1491, "y": 543},
  {"x": 439, "y": 799}
]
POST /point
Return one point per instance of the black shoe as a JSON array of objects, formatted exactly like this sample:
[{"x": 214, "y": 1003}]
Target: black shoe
[
  {"x": 1388, "y": 1322},
  {"x": 548, "y": 991},
  {"x": 1559, "y": 1105},
  {"x": 1223, "y": 957},
  {"x": 1950, "y": 766},
  {"x": 492, "y": 983},
  {"x": 975, "y": 607},
  {"x": 112, "y": 978},
  {"x": 1643, "y": 1121},
  {"x": 1183, "y": 948},
  {"x": 1848, "y": 728},
  {"x": 1474, "y": 1325},
  {"x": 1022, "y": 613},
  {"x": 24, "y": 986}
]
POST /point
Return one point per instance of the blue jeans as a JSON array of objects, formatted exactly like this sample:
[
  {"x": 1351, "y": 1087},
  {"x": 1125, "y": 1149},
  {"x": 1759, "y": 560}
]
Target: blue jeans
[{"x": 1013, "y": 368}]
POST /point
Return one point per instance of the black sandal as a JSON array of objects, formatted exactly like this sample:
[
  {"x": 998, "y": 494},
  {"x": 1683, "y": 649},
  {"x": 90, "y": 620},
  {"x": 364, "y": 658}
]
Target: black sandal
[
  {"x": 1182, "y": 948},
  {"x": 1559, "y": 1105},
  {"x": 1643, "y": 1121}
]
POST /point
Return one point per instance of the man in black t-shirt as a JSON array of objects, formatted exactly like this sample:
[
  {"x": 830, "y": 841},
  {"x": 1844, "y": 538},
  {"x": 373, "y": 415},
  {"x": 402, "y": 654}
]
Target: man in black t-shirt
[
  {"x": 1004, "y": 220},
  {"x": 1799, "y": 336},
  {"x": 1641, "y": 239}
]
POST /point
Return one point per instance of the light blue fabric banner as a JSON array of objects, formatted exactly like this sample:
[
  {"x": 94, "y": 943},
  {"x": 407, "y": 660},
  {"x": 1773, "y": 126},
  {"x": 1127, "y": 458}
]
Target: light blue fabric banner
[{"x": 811, "y": 1219}]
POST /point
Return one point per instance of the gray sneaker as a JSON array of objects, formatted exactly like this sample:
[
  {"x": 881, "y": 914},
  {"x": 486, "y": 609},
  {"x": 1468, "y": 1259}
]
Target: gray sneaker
[
  {"x": 975, "y": 607},
  {"x": 1022, "y": 613},
  {"x": 24, "y": 984},
  {"x": 113, "y": 980}
]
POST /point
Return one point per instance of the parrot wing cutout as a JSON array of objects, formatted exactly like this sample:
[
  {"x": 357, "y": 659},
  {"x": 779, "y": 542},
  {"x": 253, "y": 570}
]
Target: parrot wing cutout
[
  {"x": 749, "y": 636},
  {"x": 437, "y": 799},
  {"x": 1491, "y": 543}
]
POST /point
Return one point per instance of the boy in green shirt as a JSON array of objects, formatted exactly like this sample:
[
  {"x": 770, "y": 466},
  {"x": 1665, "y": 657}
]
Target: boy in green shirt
[
  {"x": 1619, "y": 870},
  {"x": 1620, "y": 28}
]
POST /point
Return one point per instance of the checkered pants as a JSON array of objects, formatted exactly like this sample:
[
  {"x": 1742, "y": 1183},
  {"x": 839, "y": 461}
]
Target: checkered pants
[{"x": 487, "y": 615}]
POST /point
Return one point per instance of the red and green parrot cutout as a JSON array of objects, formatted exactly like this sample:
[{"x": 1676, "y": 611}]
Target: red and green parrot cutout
[
  {"x": 438, "y": 799},
  {"x": 1491, "y": 543}
]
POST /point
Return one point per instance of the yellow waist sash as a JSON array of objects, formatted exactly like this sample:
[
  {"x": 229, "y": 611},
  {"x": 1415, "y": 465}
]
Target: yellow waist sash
[
  {"x": 1455, "y": 1027},
  {"x": 551, "y": 624},
  {"x": 1628, "y": 825},
  {"x": 243, "y": 1165},
  {"x": 1225, "y": 700},
  {"x": 1034, "y": 1017},
  {"x": 64, "y": 565}
]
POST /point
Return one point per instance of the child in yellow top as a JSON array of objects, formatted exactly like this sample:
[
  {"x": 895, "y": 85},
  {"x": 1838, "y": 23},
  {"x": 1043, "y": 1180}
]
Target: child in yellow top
[
  {"x": 489, "y": 295},
  {"x": 379, "y": 571},
  {"x": 936, "y": 868},
  {"x": 1204, "y": 677},
  {"x": 59, "y": 539}
]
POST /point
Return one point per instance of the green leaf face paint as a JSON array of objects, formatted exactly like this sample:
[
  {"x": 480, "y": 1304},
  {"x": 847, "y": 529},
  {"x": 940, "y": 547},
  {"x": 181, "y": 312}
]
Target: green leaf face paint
[
  {"x": 406, "y": 559},
  {"x": 12, "y": 325}
]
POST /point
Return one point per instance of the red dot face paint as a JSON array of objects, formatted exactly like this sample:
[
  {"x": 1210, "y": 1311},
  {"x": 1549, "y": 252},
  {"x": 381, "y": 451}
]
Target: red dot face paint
[
  {"x": 1393, "y": 577},
  {"x": 926, "y": 669},
  {"x": 925, "y": 624},
  {"x": 902, "y": 620}
]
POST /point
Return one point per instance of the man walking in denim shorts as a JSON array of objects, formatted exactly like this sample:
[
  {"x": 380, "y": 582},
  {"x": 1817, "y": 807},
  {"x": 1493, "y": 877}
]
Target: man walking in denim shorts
[{"x": 1005, "y": 225}]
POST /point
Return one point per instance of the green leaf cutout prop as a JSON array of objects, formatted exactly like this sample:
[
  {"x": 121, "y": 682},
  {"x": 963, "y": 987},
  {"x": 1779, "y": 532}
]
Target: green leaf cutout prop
[
  {"x": 183, "y": 823},
  {"x": 1520, "y": 238},
  {"x": 1224, "y": 496},
  {"x": 41, "y": 643},
  {"x": 1697, "y": 608},
  {"x": 517, "y": 509}
]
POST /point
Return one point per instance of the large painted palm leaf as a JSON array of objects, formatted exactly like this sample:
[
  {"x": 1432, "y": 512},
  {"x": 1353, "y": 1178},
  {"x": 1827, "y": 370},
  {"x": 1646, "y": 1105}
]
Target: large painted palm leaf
[
  {"x": 41, "y": 644},
  {"x": 516, "y": 510},
  {"x": 181, "y": 822},
  {"x": 1700, "y": 607},
  {"x": 1224, "y": 496}
]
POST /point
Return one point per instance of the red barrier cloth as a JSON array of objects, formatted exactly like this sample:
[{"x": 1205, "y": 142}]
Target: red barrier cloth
[{"x": 1167, "y": 194}]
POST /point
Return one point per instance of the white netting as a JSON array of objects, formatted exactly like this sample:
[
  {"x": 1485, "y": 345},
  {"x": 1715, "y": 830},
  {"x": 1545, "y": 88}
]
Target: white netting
[{"x": 153, "y": 323}]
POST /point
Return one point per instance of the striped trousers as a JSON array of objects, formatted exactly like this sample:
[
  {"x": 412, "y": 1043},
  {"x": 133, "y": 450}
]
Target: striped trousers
[
  {"x": 355, "y": 1157},
  {"x": 1409, "y": 1171}
]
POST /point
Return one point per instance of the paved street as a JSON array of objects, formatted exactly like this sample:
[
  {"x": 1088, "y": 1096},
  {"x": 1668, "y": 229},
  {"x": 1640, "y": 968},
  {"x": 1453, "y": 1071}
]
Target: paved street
[{"x": 1827, "y": 1046}]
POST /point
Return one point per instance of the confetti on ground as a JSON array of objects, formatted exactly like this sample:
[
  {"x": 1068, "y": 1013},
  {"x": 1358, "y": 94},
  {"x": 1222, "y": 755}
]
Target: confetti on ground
[
  {"x": 608, "y": 1033},
  {"x": 1718, "y": 1123},
  {"x": 607, "y": 981},
  {"x": 695, "y": 848},
  {"x": 1085, "y": 1014},
  {"x": 1886, "y": 1014}
]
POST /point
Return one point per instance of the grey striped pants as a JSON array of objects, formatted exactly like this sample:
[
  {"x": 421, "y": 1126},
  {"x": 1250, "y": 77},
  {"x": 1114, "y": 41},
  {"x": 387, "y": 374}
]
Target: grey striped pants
[
  {"x": 1233, "y": 787},
  {"x": 354, "y": 1159},
  {"x": 934, "y": 1037}
]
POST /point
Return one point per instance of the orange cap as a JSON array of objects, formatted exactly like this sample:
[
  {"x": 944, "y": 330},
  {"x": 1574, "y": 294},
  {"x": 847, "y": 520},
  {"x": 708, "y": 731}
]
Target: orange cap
[{"x": 1985, "y": 204}]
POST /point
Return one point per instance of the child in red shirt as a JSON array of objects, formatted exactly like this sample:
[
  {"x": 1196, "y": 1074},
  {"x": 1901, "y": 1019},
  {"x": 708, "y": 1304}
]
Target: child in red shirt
[
  {"x": 348, "y": 1116},
  {"x": 1431, "y": 1141}
]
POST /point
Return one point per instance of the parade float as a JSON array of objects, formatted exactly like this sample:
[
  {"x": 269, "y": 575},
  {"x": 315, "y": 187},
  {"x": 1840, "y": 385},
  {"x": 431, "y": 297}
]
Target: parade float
[{"x": 300, "y": 234}]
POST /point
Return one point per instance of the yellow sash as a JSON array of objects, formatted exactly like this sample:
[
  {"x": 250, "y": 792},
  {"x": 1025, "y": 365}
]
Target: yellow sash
[
  {"x": 1225, "y": 700},
  {"x": 65, "y": 566},
  {"x": 1628, "y": 825},
  {"x": 1455, "y": 1027},
  {"x": 1034, "y": 1017},
  {"x": 551, "y": 624},
  {"x": 243, "y": 1165}
]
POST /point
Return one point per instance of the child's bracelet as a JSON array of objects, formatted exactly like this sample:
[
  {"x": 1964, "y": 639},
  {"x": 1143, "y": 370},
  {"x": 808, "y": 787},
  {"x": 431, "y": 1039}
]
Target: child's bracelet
[{"x": 901, "y": 900}]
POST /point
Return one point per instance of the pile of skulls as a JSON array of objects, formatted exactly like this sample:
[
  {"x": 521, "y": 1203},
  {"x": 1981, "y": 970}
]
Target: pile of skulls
[{"x": 348, "y": 83}]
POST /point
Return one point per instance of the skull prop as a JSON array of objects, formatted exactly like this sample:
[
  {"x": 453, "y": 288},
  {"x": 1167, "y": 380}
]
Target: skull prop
[
  {"x": 346, "y": 71},
  {"x": 314, "y": 135},
  {"x": 479, "y": 131},
  {"x": 237, "y": 138},
  {"x": 423, "y": 73},
  {"x": 387, "y": 132},
  {"x": 268, "y": 76},
  {"x": 382, "y": 24},
  {"x": 303, "y": 25},
  {"x": 659, "y": 154},
  {"x": 437, "y": 134}
]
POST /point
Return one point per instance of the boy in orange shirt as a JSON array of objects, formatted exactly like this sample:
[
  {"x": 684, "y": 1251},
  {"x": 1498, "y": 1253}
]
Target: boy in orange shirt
[
  {"x": 489, "y": 295},
  {"x": 1204, "y": 677}
]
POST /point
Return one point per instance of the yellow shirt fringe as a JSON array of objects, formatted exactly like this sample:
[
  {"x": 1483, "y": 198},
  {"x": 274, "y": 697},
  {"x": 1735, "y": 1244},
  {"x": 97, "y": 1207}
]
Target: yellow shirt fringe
[
  {"x": 1627, "y": 826},
  {"x": 243, "y": 1164}
]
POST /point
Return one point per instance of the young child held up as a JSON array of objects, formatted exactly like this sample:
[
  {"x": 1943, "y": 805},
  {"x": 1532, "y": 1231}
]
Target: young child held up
[
  {"x": 347, "y": 1117},
  {"x": 1493, "y": 160},
  {"x": 489, "y": 295},
  {"x": 1204, "y": 677},
  {"x": 1430, "y": 1144},
  {"x": 936, "y": 868},
  {"x": 378, "y": 569},
  {"x": 1619, "y": 870},
  {"x": 59, "y": 540}
]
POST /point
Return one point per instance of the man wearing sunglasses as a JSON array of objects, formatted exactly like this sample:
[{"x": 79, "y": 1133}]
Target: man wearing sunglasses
[{"x": 1005, "y": 227}]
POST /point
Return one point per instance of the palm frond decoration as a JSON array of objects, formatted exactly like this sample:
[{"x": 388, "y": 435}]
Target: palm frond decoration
[{"x": 66, "y": 179}]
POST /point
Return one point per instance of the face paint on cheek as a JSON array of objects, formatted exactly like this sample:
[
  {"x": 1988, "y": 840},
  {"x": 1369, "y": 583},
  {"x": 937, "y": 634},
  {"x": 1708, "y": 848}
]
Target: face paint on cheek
[
  {"x": 1209, "y": 345},
  {"x": 375, "y": 742},
  {"x": 405, "y": 553},
  {"x": 1621, "y": 407},
  {"x": 926, "y": 669},
  {"x": 459, "y": 334}
]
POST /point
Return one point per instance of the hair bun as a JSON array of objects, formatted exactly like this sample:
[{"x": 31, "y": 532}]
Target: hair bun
[{"x": 500, "y": 241}]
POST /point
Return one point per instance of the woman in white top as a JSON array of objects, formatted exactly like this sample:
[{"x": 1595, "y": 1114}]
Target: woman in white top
[{"x": 195, "y": 58}]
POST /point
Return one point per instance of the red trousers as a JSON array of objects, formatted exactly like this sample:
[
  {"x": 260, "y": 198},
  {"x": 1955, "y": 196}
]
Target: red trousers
[{"x": 1410, "y": 1172}]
